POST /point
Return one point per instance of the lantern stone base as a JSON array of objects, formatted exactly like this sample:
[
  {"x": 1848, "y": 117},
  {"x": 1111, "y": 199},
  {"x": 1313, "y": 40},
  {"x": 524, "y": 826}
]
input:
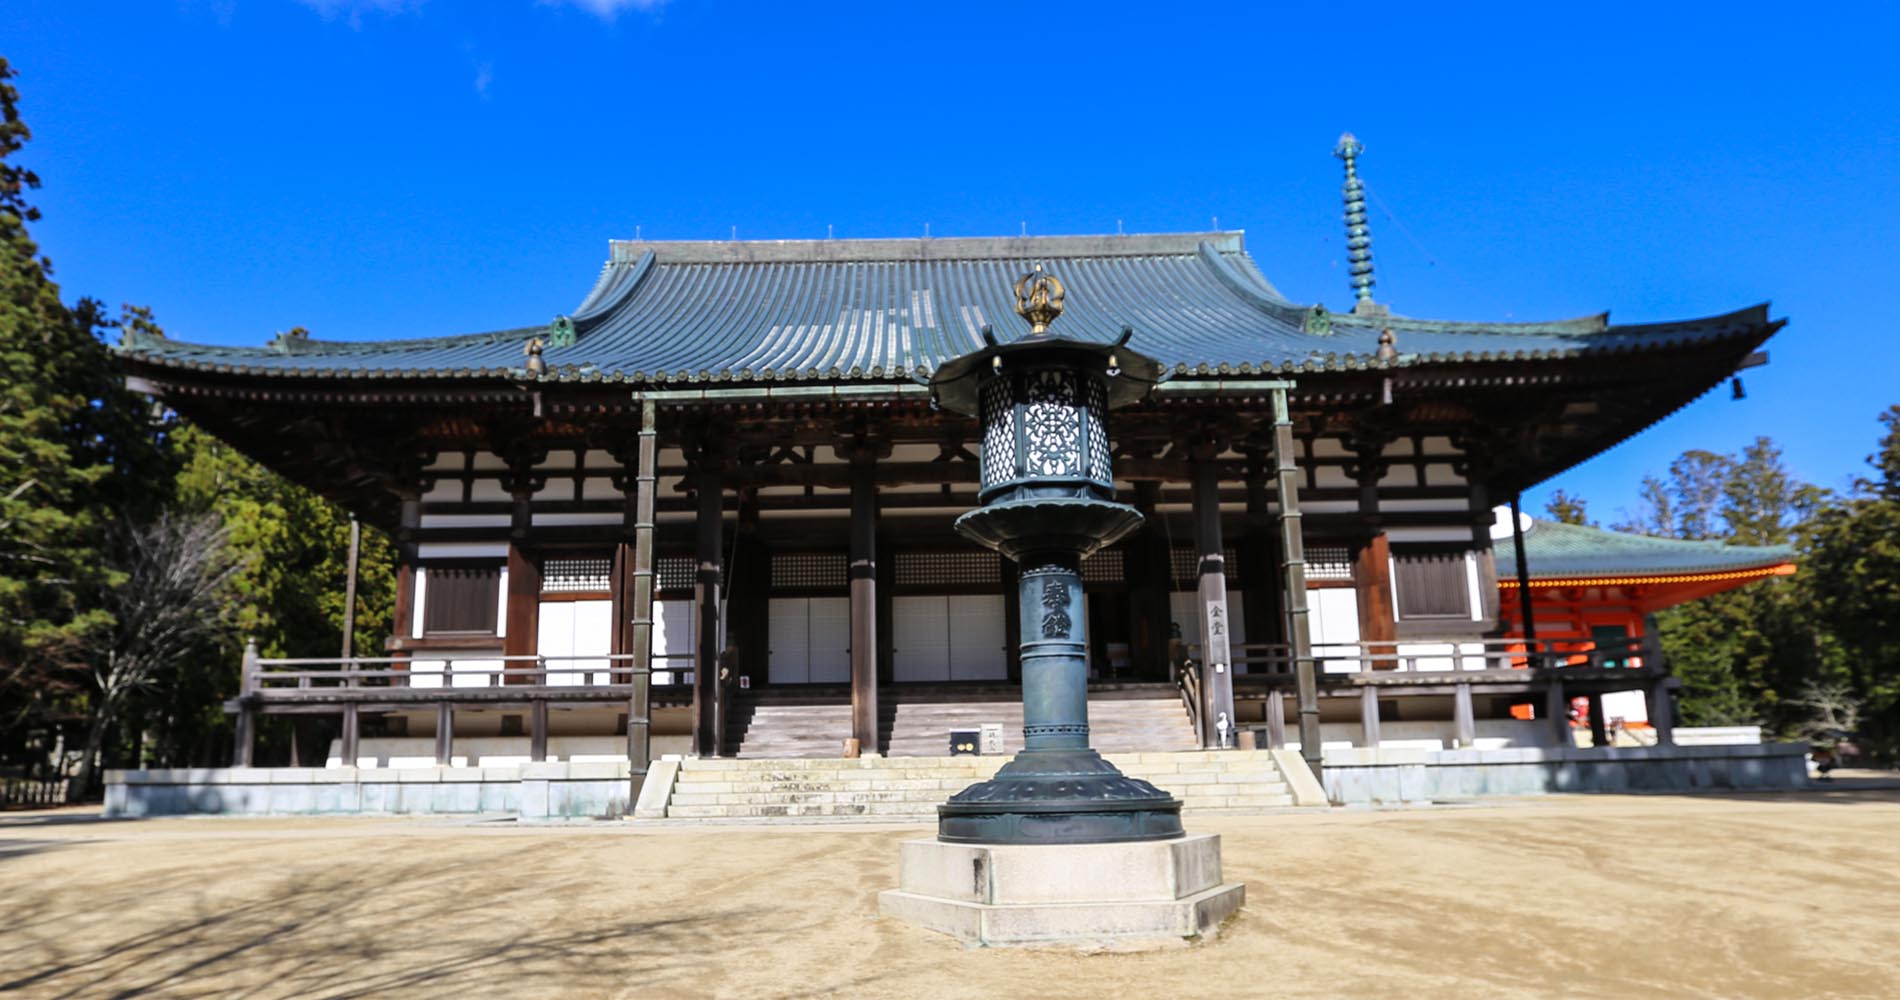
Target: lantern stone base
[{"x": 1117, "y": 896}]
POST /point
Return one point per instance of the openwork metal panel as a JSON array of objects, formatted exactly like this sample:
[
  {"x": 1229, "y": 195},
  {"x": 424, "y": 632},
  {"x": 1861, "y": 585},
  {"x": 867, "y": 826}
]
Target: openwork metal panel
[
  {"x": 999, "y": 433},
  {"x": 675, "y": 572},
  {"x": 573, "y": 576},
  {"x": 1328, "y": 562},
  {"x": 1099, "y": 468},
  {"x": 946, "y": 568},
  {"x": 1103, "y": 567},
  {"x": 1187, "y": 563},
  {"x": 809, "y": 570},
  {"x": 1051, "y": 426}
]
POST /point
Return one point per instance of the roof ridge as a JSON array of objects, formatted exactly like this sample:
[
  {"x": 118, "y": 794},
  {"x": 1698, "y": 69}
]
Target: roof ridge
[{"x": 912, "y": 248}]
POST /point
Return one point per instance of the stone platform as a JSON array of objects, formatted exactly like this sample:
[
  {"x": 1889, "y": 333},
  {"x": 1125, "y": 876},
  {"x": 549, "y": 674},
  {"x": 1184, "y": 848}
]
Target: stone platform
[{"x": 1131, "y": 895}]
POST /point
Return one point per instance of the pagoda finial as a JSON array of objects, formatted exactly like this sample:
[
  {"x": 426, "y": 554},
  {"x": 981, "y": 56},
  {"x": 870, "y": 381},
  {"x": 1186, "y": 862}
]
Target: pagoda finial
[
  {"x": 1038, "y": 299},
  {"x": 1358, "y": 237}
]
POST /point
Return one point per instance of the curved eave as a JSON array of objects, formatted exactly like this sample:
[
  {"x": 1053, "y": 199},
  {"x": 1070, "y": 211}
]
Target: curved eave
[
  {"x": 233, "y": 361},
  {"x": 1736, "y": 576}
]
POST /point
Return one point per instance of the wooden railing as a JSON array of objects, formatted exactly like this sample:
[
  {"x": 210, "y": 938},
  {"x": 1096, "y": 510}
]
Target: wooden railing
[
  {"x": 28, "y": 793},
  {"x": 263, "y": 676},
  {"x": 1185, "y": 670},
  {"x": 1443, "y": 655}
]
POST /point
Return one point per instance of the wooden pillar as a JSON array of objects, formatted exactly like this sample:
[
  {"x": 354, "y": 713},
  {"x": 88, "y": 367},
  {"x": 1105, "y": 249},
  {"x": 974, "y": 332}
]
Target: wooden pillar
[
  {"x": 1149, "y": 571},
  {"x": 1276, "y": 720},
  {"x": 351, "y": 565},
  {"x": 1464, "y": 720},
  {"x": 1557, "y": 711},
  {"x": 1482, "y": 520},
  {"x": 1264, "y": 611},
  {"x": 710, "y": 526},
  {"x": 538, "y": 731},
  {"x": 640, "y": 602},
  {"x": 1523, "y": 572},
  {"x": 1372, "y": 562},
  {"x": 523, "y": 609},
  {"x": 403, "y": 623},
  {"x": 351, "y": 731},
  {"x": 1293, "y": 553},
  {"x": 749, "y": 596},
  {"x": 863, "y": 577},
  {"x": 1369, "y": 715},
  {"x": 1599, "y": 732},
  {"x": 444, "y": 732},
  {"x": 245, "y": 738},
  {"x": 1662, "y": 712},
  {"x": 1217, "y": 675}
]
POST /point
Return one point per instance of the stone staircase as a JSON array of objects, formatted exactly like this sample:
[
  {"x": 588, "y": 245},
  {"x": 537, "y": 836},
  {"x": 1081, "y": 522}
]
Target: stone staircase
[
  {"x": 902, "y": 789},
  {"x": 805, "y": 723}
]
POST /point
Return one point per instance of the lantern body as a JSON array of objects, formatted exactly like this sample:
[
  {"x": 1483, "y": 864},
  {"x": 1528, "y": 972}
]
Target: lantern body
[{"x": 1047, "y": 489}]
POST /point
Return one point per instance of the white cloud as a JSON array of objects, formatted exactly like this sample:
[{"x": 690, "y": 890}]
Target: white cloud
[
  {"x": 608, "y": 10},
  {"x": 353, "y": 10},
  {"x": 484, "y": 75}
]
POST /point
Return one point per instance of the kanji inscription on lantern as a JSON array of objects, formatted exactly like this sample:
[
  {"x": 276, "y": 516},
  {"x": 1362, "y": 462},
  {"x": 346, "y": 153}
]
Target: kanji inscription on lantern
[{"x": 1055, "y": 621}]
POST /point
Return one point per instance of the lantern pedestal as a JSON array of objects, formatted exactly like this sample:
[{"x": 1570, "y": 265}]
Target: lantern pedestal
[{"x": 1112, "y": 896}]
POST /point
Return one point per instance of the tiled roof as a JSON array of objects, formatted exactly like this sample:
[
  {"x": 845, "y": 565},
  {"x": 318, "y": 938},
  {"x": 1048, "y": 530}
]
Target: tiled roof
[
  {"x": 1555, "y": 550},
  {"x": 668, "y": 313}
]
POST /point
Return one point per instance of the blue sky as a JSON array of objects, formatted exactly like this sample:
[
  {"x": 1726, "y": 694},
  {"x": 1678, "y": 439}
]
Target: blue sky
[{"x": 387, "y": 168}]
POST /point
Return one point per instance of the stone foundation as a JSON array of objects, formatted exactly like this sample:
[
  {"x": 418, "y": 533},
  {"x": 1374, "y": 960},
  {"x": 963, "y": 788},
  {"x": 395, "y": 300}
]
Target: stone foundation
[
  {"x": 1387, "y": 776},
  {"x": 1087, "y": 895}
]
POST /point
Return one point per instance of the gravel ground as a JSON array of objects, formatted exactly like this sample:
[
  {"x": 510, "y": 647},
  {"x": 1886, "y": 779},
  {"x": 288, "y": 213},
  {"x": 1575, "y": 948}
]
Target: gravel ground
[{"x": 1792, "y": 895}]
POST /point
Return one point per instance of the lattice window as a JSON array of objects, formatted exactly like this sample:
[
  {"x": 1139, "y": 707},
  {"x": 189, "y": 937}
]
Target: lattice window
[
  {"x": 808, "y": 570},
  {"x": 1328, "y": 562},
  {"x": 576, "y": 576},
  {"x": 1187, "y": 563},
  {"x": 1103, "y": 567},
  {"x": 675, "y": 572},
  {"x": 946, "y": 568}
]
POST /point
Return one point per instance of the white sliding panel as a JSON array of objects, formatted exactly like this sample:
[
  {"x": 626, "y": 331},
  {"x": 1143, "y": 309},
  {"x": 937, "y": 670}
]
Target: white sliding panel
[
  {"x": 1334, "y": 617},
  {"x": 920, "y": 634},
  {"x": 829, "y": 649},
  {"x": 672, "y": 636},
  {"x": 788, "y": 640},
  {"x": 977, "y": 637}
]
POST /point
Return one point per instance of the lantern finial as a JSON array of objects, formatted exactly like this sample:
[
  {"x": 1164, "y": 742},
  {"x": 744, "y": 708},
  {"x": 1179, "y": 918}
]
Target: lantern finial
[{"x": 1038, "y": 299}]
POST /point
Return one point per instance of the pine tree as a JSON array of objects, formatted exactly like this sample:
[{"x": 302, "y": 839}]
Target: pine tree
[{"x": 1567, "y": 509}]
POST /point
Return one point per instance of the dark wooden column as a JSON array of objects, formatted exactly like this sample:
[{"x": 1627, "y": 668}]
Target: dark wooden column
[
  {"x": 1264, "y": 612},
  {"x": 444, "y": 731},
  {"x": 1149, "y": 570},
  {"x": 1599, "y": 728},
  {"x": 639, "y": 609},
  {"x": 709, "y": 482},
  {"x": 1523, "y": 569},
  {"x": 1293, "y": 552},
  {"x": 1372, "y": 558},
  {"x": 1217, "y": 677},
  {"x": 538, "y": 731},
  {"x": 863, "y": 577},
  {"x": 403, "y": 625},
  {"x": 352, "y": 729},
  {"x": 749, "y": 594},
  {"x": 1482, "y": 518},
  {"x": 524, "y": 570}
]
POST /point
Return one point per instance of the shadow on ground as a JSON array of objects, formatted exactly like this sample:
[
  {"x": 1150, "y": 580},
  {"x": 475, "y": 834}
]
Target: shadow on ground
[{"x": 359, "y": 930}]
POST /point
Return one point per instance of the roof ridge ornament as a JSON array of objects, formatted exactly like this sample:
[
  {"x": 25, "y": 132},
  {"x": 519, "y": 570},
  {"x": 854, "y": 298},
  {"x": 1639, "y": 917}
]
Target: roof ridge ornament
[
  {"x": 1358, "y": 236},
  {"x": 1038, "y": 299}
]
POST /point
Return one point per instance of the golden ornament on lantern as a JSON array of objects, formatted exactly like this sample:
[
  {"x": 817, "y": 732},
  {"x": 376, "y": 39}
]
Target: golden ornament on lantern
[{"x": 1038, "y": 299}]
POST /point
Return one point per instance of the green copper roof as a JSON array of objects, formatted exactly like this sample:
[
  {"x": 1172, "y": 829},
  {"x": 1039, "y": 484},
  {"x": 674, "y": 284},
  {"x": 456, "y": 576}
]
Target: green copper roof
[
  {"x": 685, "y": 312},
  {"x": 1564, "y": 551}
]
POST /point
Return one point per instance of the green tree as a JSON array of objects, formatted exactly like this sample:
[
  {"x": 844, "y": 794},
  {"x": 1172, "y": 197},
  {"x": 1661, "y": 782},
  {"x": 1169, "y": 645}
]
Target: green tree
[
  {"x": 75, "y": 451},
  {"x": 1851, "y": 578},
  {"x": 1567, "y": 509}
]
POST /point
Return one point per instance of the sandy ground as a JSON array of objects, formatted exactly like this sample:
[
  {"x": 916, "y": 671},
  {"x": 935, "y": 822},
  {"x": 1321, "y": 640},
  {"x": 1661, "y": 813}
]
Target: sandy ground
[{"x": 1705, "y": 896}]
